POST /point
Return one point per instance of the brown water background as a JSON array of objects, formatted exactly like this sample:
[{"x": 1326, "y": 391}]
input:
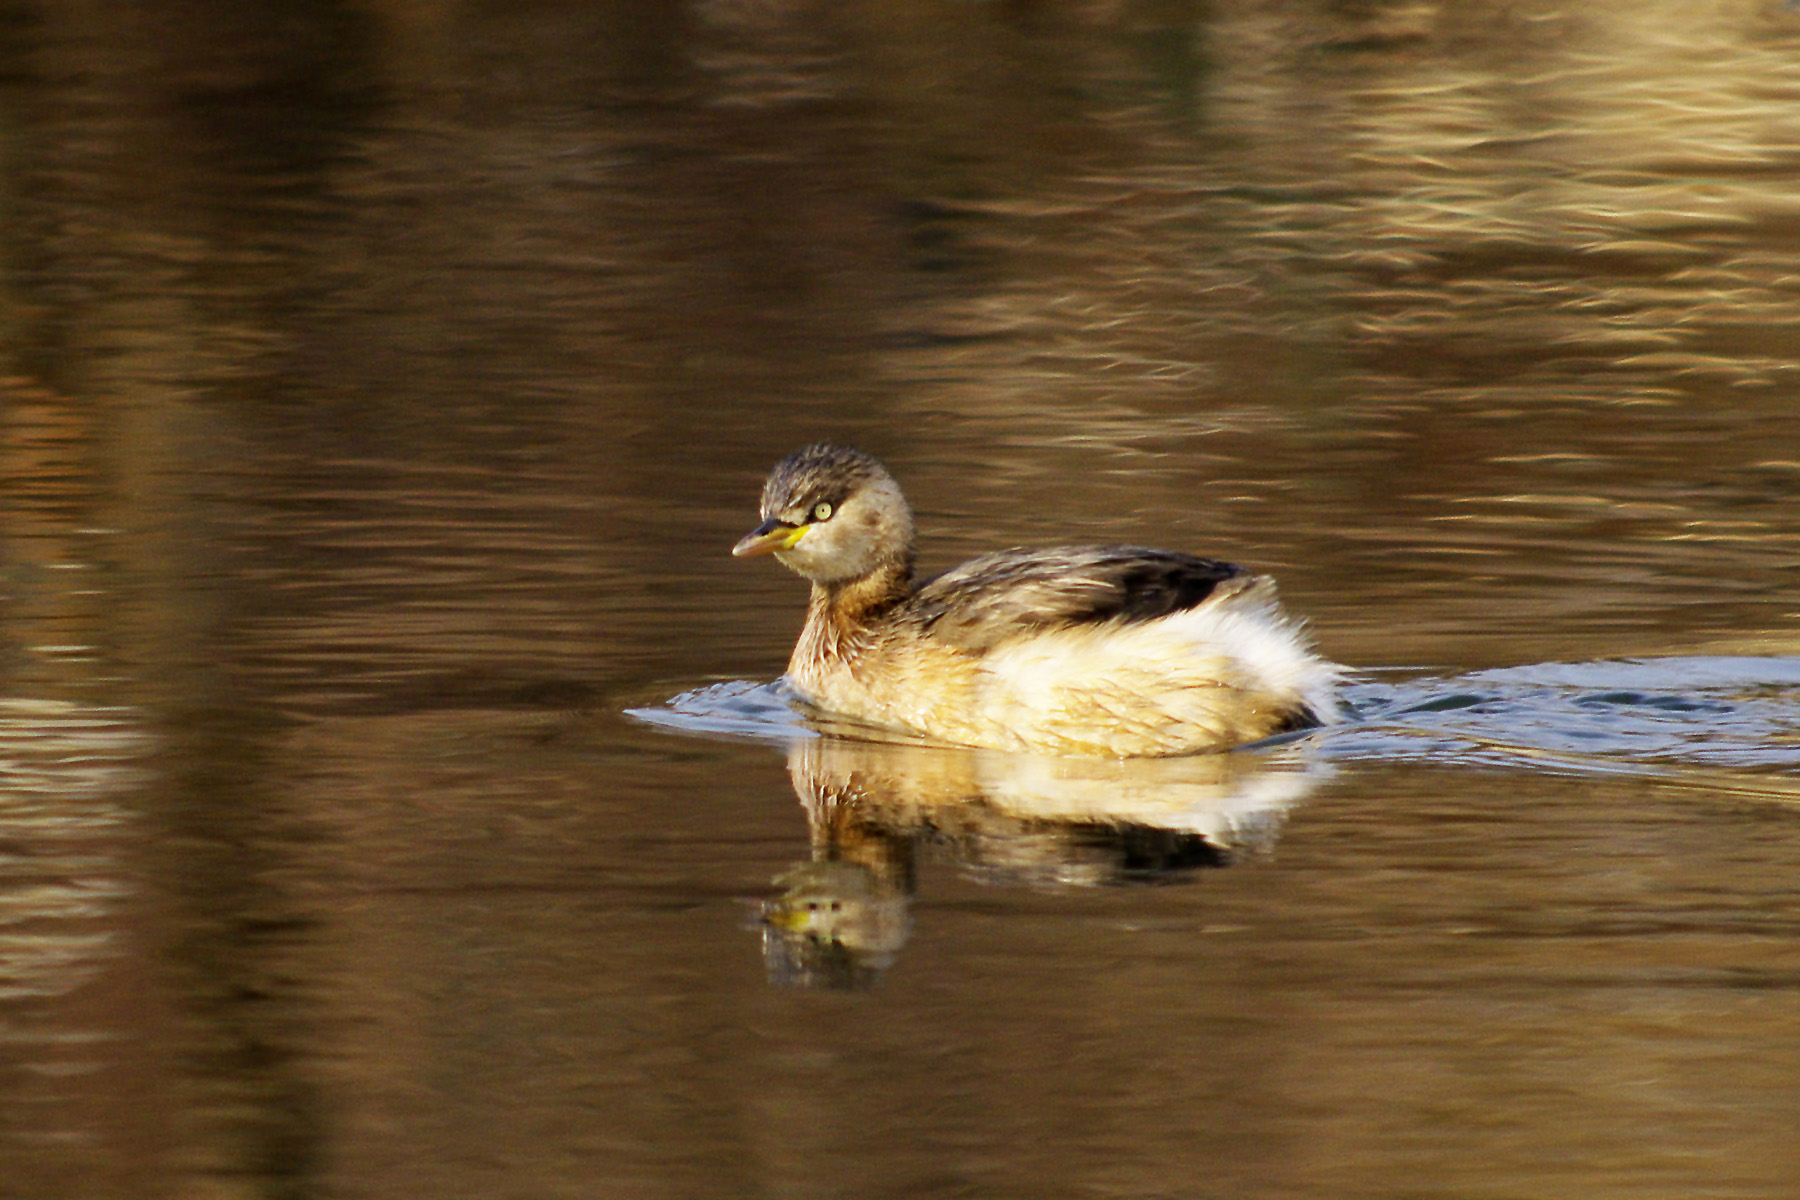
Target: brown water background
[{"x": 384, "y": 384}]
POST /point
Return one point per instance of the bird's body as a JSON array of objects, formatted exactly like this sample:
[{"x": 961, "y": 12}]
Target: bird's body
[{"x": 1100, "y": 650}]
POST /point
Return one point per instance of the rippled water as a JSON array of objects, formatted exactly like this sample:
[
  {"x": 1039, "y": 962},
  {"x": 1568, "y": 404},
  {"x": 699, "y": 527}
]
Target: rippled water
[
  {"x": 1725, "y": 726},
  {"x": 1740, "y": 712},
  {"x": 394, "y": 796}
]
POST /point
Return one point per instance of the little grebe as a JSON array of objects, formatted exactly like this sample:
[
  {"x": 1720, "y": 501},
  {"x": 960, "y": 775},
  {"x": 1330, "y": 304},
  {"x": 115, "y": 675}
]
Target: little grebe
[{"x": 1100, "y": 650}]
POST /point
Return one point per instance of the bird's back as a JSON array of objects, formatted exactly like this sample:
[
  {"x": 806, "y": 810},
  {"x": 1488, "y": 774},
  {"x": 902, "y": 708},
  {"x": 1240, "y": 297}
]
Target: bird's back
[{"x": 1011, "y": 594}]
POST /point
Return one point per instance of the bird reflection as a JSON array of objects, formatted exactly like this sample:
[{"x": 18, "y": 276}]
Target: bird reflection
[{"x": 841, "y": 919}]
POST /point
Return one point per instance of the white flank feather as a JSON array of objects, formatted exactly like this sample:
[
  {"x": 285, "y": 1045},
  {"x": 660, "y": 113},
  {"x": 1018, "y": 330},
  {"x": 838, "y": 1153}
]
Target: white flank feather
[{"x": 1190, "y": 677}]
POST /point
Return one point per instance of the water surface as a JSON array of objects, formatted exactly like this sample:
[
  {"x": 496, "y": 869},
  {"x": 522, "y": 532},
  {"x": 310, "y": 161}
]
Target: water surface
[{"x": 384, "y": 387}]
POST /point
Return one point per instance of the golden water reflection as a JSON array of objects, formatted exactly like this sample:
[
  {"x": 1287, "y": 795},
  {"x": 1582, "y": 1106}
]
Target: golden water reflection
[
  {"x": 385, "y": 382},
  {"x": 1016, "y": 820}
]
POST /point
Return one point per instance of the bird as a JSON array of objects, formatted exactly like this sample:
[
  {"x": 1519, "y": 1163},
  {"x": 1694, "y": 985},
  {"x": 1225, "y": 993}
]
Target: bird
[{"x": 1111, "y": 650}]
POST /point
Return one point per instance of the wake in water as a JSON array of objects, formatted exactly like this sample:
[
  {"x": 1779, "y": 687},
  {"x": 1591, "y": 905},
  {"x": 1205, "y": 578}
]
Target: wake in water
[
  {"x": 1741, "y": 713},
  {"x": 841, "y": 918},
  {"x": 1720, "y": 712}
]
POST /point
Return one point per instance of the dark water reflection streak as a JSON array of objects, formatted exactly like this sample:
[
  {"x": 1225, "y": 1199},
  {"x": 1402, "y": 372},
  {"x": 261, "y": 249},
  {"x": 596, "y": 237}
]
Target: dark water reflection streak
[{"x": 384, "y": 385}]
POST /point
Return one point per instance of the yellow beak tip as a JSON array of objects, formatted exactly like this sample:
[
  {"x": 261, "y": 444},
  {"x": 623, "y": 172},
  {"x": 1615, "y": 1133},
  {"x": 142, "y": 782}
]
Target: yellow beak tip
[{"x": 757, "y": 542}]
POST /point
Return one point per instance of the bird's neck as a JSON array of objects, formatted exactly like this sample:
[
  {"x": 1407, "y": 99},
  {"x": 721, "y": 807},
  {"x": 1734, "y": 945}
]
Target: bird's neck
[{"x": 839, "y": 614}]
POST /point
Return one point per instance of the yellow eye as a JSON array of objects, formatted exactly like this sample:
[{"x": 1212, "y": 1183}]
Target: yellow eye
[{"x": 821, "y": 512}]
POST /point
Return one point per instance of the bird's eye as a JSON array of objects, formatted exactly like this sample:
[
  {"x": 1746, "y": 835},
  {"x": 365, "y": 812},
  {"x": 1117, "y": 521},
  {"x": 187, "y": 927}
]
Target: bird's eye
[{"x": 822, "y": 511}]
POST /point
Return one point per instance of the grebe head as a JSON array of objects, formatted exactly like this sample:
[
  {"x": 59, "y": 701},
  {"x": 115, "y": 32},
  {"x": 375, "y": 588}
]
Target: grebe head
[{"x": 834, "y": 515}]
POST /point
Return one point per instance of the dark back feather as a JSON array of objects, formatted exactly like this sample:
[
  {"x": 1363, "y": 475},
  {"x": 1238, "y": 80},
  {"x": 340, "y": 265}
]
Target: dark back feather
[{"x": 1014, "y": 593}]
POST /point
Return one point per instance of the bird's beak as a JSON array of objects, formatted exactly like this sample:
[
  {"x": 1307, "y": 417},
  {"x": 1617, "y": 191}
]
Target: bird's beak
[{"x": 772, "y": 535}]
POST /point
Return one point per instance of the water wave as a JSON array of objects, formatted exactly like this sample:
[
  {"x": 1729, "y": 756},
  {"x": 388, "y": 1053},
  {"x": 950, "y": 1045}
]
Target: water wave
[{"x": 1735, "y": 712}]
